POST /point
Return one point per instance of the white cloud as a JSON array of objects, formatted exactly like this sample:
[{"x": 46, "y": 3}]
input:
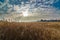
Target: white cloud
[
  {"x": 42, "y": 11},
  {"x": 3, "y": 4}
]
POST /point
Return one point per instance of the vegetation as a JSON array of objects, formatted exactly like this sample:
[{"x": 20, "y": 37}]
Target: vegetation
[{"x": 30, "y": 31}]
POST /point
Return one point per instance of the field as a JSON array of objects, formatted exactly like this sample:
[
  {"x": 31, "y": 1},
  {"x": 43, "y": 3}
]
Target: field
[{"x": 29, "y": 31}]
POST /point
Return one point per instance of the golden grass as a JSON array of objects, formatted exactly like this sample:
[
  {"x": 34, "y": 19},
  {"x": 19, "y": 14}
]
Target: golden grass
[{"x": 30, "y": 31}]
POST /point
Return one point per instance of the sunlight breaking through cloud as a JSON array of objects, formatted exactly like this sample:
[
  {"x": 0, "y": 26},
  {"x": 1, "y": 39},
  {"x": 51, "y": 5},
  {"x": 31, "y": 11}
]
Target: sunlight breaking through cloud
[{"x": 36, "y": 10}]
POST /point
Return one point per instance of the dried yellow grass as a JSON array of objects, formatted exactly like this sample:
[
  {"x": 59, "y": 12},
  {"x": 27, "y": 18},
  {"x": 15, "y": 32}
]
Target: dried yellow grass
[{"x": 30, "y": 31}]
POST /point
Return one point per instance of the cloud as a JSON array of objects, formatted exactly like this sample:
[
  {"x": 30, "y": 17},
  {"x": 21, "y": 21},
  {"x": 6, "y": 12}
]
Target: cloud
[
  {"x": 41, "y": 9},
  {"x": 40, "y": 12},
  {"x": 3, "y": 4},
  {"x": 32, "y": 3}
]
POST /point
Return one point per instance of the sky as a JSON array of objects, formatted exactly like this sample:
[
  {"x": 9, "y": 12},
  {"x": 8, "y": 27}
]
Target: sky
[{"x": 40, "y": 9}]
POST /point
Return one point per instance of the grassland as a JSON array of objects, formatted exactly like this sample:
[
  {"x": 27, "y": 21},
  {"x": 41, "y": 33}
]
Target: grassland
[{"x": 30, "y": 31}]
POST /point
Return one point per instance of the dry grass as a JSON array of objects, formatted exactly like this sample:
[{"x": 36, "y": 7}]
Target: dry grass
[{"x": 30, "y": 31}]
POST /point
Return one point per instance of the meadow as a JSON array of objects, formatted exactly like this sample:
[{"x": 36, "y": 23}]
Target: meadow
[{"x": 29, "y": 30}]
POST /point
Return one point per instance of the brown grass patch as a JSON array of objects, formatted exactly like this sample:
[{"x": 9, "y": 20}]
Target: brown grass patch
[{"x": 30, "y": 31}]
